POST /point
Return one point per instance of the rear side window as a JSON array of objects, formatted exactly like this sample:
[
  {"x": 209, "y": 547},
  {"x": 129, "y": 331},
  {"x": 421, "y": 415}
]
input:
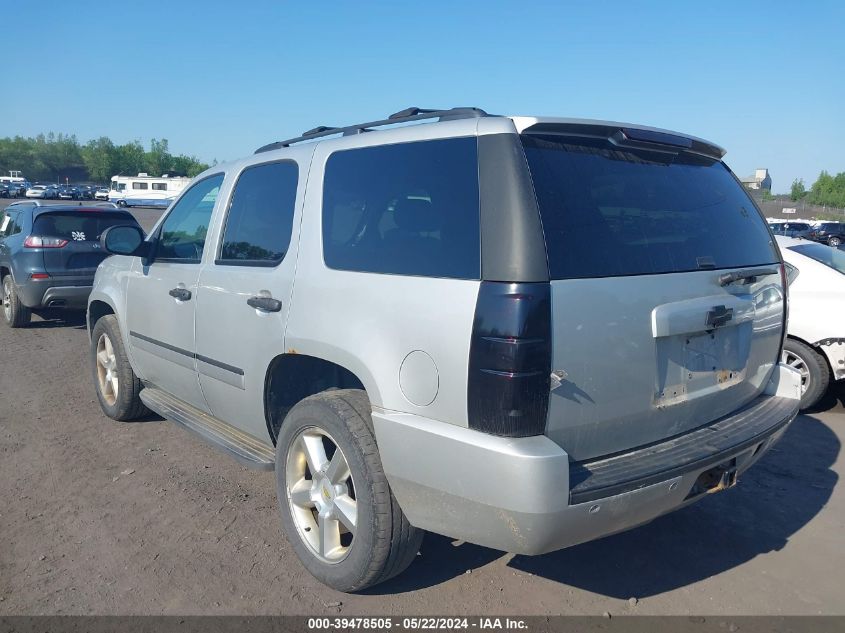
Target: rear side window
[
  {"x": 826, "y": 255},
  {"x": 404, "y": 209},
  {"x": 610, "y": 211},
  {"x": 260, "y": 218},
  {"x": 82, "y": 226}
]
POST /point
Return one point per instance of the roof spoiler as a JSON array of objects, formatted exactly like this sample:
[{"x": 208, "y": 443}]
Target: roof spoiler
[{"x": 631, "y": 136}]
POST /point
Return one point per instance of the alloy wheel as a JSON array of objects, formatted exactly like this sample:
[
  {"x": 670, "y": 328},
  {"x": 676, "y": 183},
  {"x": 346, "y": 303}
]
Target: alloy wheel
[
  {"x": 7, "y": 301},
  {"x": 107, "y": 370},
  {"x": 321, "y": 495},
  {"x": 793, "y": 360}
]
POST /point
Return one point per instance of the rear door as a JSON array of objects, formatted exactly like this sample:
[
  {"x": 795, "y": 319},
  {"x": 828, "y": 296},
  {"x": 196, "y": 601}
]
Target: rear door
[
  {"x": 76, "y": 236},
  {"x": 244, "y": 292},
  {"x": 651, "y": 337}
]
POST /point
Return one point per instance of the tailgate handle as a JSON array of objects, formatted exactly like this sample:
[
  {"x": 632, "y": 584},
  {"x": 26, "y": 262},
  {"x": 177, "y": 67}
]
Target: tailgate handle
[
  {"x": 748, "y": 276},
  {"x": 719, "y": 315},
  {"x": 265, "y": 304},
  {"x": 182, "y": 294}
]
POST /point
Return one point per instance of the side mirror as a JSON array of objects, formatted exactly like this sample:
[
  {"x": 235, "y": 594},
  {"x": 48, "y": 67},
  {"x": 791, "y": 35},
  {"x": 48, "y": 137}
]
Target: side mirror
[{"x": 124, "y": 239}]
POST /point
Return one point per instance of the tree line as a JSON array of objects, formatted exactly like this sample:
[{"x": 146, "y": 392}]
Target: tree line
[
  {"x": 60, "y": 157},
  {"x": 827, "y": 190}
]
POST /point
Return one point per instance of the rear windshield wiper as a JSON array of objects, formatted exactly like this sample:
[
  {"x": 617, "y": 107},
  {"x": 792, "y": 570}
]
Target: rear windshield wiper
[{"x": 750, "y": 276}]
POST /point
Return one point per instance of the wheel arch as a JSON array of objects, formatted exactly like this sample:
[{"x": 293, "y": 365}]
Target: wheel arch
[
  {"x": 97, "y": 309},
  {"x": 293, "y": 377},
  {"x": 816, "y": 348}
]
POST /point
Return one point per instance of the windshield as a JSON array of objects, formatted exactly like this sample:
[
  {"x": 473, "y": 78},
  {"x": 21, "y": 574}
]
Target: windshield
[
  {"x": 826, "y": 255},
  {"x": 78, "y": 226},
  {"x": 611, "y": 211}
]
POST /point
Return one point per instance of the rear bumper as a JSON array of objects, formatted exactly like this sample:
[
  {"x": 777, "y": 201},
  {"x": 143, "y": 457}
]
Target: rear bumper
[
  {"x": 52, "y": 294},
  {"x": 524, "y": 496}
]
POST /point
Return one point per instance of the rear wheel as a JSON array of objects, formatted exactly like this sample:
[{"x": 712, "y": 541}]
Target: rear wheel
[
  {"x": 16, "y": 313},
  {"x": 117, "y": 386},
  {"x": 834, "y": 242},
  {"x": 337, "y": 508},
  {"x": 815, "y": 374}
]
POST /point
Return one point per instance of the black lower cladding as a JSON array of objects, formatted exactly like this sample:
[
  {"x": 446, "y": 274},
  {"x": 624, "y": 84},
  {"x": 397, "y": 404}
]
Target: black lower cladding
[
  {"x": 189, "y": 354},
  {"x": 705, "y": 446}
]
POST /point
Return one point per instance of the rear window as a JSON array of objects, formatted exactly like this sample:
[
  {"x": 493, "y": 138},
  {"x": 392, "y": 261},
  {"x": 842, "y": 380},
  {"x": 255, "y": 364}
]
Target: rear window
[
  {"x": 826, "y": 255},
  {"x": 404, "y": 209},
  {"x": 611, "y": 211},
  {"x": 78, "y": 226}
]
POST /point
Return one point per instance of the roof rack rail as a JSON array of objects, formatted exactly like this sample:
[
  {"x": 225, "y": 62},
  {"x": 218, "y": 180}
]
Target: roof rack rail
[{"x": 403, "y": 116}]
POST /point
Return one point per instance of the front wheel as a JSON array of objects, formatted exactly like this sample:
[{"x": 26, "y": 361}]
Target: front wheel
[
  {"x": 834, "y": 242},
  {"x": 15, "y": 312},
  {"x": 815, "y": 374},
  {"x": 337, "y": 508},
  {"x": 117, "y": 386}
]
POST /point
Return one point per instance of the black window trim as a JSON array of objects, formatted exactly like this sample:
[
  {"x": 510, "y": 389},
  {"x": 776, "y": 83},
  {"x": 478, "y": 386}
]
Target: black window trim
[
  {"x": 154, "y": 237},
  {"x": 255, "y": 263}
]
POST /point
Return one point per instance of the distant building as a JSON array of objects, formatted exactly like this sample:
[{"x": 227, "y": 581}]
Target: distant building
[{"x": 759, "y": 181}]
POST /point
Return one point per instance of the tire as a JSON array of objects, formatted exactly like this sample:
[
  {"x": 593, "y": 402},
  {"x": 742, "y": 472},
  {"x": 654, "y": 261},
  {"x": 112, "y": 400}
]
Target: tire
[
  {"x": 15, "y": 312},
  {"x": 121, "y": 203},
  {"x": 815, "y": 373},
  {"x": 383, "y": 543},
  {"x": 834, "y": 242},
  {"x": 115, "y": 382}
]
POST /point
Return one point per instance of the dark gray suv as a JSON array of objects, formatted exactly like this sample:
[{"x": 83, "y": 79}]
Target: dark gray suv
[{"x": 49, "y": 254}]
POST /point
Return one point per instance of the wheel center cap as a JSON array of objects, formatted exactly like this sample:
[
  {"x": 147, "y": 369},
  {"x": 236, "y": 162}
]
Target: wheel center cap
[{"x": 325, "y": 491}]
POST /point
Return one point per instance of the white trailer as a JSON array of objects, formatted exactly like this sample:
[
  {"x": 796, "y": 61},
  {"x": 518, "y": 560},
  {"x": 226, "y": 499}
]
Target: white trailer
[{"x": 144, "y": 190}]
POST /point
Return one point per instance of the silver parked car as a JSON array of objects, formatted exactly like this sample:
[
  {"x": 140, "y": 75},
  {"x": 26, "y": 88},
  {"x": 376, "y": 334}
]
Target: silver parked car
[{"x": 524, "y": 333}]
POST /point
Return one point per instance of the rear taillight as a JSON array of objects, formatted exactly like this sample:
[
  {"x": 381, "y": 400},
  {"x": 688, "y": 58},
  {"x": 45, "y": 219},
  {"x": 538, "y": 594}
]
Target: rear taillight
[
  {"x": 784, "y": 281},
  {"x": 39, "y": 276},
  {"x": 36, "y": 241},
  {"x": 510, "y": 359}
]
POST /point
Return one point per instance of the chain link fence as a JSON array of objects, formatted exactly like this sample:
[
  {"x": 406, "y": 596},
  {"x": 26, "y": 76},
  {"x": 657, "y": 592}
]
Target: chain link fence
[{"x": 800, "y": 210}]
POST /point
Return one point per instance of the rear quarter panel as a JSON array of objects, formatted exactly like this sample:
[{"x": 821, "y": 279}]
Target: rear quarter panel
[{"x": 369, "y": 323}]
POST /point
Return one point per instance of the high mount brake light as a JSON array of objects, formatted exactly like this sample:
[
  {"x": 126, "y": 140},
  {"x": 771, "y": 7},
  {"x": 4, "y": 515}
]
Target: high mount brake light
[{"x": 36, "y": 241}]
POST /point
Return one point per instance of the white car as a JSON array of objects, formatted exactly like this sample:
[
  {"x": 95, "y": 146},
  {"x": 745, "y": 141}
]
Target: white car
[
  {"x": 37, "y": 191},
  {"x": 101, "y": 194},
  {"x": 816, "y": 330}
]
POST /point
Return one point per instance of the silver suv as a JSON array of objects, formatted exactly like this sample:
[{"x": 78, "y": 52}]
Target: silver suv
[{"x": 524, "y": 333}]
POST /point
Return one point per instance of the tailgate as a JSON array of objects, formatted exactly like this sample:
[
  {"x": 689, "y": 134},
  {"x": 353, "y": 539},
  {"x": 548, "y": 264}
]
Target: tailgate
[
  {"x": 80, "y": 231},
  {"x": 666, "y": 291},
  {"x": 642, "y": 364}
]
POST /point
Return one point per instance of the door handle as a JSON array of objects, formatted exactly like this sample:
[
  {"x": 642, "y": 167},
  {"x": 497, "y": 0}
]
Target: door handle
[
  {"x": 265, "y": 304},
  {"x": 182, "y": 294}
]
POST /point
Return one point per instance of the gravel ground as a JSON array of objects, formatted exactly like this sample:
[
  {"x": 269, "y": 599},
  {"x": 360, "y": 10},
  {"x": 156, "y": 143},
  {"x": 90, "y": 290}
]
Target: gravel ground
[{"x": 101, "y": 517}]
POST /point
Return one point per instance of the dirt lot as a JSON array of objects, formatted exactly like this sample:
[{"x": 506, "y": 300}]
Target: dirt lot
[{"x": 100, "y": 517}]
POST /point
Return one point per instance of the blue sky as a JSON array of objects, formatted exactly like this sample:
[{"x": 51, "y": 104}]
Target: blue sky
[{"x": 218, "y": 79}]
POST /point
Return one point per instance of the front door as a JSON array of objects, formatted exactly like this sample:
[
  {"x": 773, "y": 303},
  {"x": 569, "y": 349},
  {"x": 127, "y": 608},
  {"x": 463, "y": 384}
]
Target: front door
[
  {"x": 244, "y": 293},
  {"x": 162, "y": 296}
]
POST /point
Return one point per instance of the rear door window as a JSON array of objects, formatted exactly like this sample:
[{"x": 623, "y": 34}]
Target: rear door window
[
  {"x": 611, "y": 211},
  {"x": 260, "y": 217},
  {"x": 404, "y": 209},
  {"x": 78, "y": 226}
]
